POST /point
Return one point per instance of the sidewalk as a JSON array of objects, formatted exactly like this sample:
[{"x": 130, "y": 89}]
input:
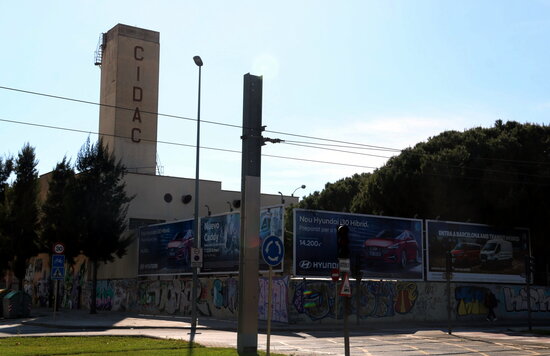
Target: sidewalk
[{"x": 83, "y": 320}]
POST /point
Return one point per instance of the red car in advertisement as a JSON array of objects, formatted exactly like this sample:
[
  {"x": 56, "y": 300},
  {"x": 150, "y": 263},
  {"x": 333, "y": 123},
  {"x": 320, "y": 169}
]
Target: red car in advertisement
[
  {"x": 396, "y": 247},
  {"x": 179, "y": 248},
  {"x": 466, "y": 254}
]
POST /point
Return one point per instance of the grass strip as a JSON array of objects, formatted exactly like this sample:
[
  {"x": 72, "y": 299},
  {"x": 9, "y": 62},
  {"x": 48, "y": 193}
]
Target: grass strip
[{"x": 106, "y": 345}]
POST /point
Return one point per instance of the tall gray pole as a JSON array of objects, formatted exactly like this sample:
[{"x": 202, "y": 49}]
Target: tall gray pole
[
  {"x": 247, "y": 330},
  {"x": 194, "y": 284}
]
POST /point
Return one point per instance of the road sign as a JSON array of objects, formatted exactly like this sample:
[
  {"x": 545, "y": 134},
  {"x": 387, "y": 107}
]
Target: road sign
[
  {"x": 58, "y": 267},
  {"x": 196, "y": 257},
  {"x": 335, "y": 274},
  {"x": 273, "y": 250},
  {"x": 344, "y": 264},
  {"x": 58, "y": 248},
  {"x": 345, "y": 291}
]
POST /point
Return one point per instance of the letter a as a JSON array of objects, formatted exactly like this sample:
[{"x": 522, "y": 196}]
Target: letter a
[{"x": 137, "y": 116}]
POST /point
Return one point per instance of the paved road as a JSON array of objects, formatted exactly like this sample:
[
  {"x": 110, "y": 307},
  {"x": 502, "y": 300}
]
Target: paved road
[{"x": 325, "y": 340}]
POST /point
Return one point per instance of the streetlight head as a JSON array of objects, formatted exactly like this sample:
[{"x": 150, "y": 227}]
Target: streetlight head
[
  {"x": 303, "y": 186},
  {"x": 198, "y": 60}
]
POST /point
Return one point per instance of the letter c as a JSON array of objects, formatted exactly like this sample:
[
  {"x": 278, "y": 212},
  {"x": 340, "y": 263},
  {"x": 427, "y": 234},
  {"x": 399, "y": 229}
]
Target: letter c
[
  {"x": 134, "y": 136},
  {"x": 138, "y": 57}
]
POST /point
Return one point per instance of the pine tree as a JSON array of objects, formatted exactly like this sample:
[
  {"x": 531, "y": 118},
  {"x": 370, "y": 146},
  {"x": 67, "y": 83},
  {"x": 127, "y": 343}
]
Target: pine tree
[
  {"x": 103, "y": 204},
  {"x": 22, "y": 224}
]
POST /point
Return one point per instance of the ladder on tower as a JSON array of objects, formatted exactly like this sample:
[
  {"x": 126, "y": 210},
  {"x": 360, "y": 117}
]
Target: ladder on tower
[{"x": 98, "y": 54}]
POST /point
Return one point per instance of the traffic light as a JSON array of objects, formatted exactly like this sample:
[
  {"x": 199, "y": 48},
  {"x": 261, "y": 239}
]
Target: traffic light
[
  {"x": 342, "y": 235},
  {"x": 530, "y": 264}
]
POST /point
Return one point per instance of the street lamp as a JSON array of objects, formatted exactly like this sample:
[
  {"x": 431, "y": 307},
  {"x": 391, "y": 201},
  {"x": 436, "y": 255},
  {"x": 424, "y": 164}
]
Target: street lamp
[
  {"x": 303, "y": 186},
  {"x": 208, "y": 209},
  {"x": 230, "y": 206},
  {"x": 198, "y": 62},
  {"x": 282, "y": 198}
]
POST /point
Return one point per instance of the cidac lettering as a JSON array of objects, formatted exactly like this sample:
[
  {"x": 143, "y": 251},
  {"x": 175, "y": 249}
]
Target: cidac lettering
[{"x": 137, "y": 95}]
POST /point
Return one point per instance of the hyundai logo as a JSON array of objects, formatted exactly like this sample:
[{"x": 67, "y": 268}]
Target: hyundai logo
[{"x": 305, "y": 264}]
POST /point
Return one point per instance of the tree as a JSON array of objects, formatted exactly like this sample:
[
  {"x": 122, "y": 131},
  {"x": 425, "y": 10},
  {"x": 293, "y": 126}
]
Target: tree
[
  {"x": 22, "y": 224},
  {"x": 103, "y": 205},
  {"x": 336, "y": 196},
  {"x": 6, "y": 253},
  {"x": 59, "y": 220}
]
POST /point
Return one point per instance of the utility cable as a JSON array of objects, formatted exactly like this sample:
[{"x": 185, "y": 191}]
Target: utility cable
[
  {"x": 353, "y": 144},
  {"x": 177, "y": 143},
  {"x": 174, "y": 116},
  {"x": 335, "y": 150}
]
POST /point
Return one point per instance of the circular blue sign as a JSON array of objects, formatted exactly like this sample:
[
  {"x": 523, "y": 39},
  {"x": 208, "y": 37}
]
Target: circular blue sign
[{"x": 273, "y": 250}]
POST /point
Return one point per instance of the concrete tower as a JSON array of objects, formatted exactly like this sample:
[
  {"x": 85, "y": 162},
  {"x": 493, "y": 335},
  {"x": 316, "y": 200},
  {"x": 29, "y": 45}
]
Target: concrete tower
[{"x": 129, "y": 59}]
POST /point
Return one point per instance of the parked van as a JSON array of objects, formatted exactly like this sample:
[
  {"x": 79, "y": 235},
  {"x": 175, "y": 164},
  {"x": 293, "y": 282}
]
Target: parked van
[{"x": 497, "y": 251}]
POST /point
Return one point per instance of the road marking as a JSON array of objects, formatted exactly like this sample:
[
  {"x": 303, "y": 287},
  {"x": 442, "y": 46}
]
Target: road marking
[
  {"x": 402, "y": 344},
  {"x": 517, "y": 348},
  {"x": 365, "y": 351},
  {"x": 455, "y": 345}
]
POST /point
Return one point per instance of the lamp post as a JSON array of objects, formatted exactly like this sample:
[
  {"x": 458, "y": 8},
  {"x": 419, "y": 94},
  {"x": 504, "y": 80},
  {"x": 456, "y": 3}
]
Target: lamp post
[
  {"x": 303, "y": 186},
  {"x": 282, "y": 198},
  {"x": 198, "y": 62}
]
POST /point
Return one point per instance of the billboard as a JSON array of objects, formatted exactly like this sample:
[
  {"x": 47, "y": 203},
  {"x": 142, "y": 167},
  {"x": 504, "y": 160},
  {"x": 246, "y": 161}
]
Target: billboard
[
  {"x": 380, "y": 247},
  {"x": 165, "y": 248},
  {"x": 479, "y": 253},
  {"x": 219, "y": 239}
]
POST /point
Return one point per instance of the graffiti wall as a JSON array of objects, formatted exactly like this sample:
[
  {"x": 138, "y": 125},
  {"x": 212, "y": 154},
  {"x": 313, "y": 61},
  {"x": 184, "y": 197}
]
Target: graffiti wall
[
  {"x": 215, "y": 296},
  {"x": 515, "y": 299},
  {"x": 296, "y": 301},
  {"x": 319, "y": 300},
  {"x": 279, "y": 299},
  {"x": 471, "y": 300}
]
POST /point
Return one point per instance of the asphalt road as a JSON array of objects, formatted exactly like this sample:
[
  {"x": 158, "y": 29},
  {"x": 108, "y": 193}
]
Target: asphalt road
[{"x": 329, "y": 342}]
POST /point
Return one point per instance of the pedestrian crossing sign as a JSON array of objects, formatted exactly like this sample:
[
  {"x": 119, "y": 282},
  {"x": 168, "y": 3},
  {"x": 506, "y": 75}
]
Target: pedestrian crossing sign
[{"x": 345, "y": 290}]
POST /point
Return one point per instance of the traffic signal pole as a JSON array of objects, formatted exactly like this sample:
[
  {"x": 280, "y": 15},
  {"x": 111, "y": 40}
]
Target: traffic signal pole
[
  {"x": 342, "y": 241},
  {"x": 247, "y": 329}
]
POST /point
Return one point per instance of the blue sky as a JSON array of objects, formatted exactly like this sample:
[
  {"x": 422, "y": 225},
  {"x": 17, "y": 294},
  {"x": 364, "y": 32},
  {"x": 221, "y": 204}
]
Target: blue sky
[{"x": 385, "y": 73}]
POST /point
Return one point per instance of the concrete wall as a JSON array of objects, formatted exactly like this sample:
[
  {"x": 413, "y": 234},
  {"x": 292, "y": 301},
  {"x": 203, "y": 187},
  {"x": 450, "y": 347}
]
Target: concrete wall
[{"x": 297, "y": 301}]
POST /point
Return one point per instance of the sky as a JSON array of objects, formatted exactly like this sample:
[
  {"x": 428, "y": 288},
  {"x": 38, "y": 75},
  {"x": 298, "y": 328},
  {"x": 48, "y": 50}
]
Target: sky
[{"x": 371, "y": 73}]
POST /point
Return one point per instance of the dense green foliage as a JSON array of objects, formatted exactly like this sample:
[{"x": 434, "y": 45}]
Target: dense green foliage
[{"x": 336, "y": 196}]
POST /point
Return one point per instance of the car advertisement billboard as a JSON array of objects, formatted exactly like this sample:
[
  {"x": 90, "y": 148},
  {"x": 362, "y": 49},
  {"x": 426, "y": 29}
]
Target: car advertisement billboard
[
  {"x": 380, "y": 247},
  {"x": 219, "y": 239},
  {"x": 165, "y": 248},
  {"x": 479, "y": 253}
]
